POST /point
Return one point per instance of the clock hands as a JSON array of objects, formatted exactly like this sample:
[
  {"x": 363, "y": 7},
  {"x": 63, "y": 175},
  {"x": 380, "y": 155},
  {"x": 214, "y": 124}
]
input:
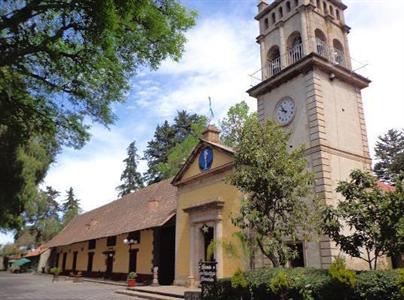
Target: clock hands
[{"x": 283, "y": 109}]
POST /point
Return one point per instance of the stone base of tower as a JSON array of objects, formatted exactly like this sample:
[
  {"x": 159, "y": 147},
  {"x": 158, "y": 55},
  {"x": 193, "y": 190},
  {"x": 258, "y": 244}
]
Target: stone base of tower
[{"x": 321, "y": 254}]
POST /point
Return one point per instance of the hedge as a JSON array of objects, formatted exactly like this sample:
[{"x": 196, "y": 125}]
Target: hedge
[{"x": 308, "y": 284}]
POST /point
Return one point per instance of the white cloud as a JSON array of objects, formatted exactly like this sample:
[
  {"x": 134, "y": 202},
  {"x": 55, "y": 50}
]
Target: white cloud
[
  {"x": 219, "y": 55},
  {"x": 377, "y": 38},
  {"x": 93, "y": 171}
]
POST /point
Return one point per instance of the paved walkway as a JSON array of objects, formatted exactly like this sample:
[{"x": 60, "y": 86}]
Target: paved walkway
[{"x": 39, "y": 287}]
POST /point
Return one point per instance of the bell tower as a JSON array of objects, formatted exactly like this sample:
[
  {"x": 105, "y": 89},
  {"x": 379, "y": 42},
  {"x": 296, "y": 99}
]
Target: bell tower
[{"x": 308, "y": 86}]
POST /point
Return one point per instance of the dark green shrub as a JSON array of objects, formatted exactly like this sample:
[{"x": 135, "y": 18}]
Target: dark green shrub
[
  {"x": 378, "y": 285},
  {"x": 400, "y": 281},
  {"x": 280, "y": 284},
  {"x": 308, "y": 284},
  {"x": 239, "y": 280},
  {"x": 341, "y": 275}
]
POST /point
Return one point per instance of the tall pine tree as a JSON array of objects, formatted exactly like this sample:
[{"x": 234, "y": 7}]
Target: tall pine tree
[
  {"x": 166, "y": 137},
  {"x": 71, "y": 206},
  {"x": 131, "y": 179},
  {"x": 389, "y": 152}
]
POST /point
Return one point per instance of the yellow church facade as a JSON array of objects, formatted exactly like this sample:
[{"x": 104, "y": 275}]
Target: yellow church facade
[{"x": 206, "y": 205}]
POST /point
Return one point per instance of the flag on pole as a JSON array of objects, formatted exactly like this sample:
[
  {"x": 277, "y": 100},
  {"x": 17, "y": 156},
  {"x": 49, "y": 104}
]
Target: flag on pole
[{"x": 212, "y": 115}]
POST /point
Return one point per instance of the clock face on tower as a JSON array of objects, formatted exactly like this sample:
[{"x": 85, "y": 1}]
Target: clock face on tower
[{"x": 285, "y": 111}]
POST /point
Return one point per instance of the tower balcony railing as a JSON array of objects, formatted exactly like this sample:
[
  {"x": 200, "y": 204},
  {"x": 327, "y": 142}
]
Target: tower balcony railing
[
  {"x": 336, "y": 56},
  {"x": 295, "y": 54}
]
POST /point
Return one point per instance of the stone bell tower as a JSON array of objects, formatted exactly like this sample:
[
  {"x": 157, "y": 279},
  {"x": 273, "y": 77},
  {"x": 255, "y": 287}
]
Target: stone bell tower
[{"x": 308, "y": 86}]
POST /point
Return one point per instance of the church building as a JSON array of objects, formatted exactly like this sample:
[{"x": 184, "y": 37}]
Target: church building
[{"x": 308, "y": 87}]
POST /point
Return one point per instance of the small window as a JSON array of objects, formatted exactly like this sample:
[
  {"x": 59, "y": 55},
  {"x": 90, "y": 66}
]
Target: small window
[
  {"x": 111, "y": 241},
  {"x": 288, "y": 6},
  {"x": 280, "y": 12},
  {"x": 273, "y": 18},
  {"x": 296, "y": 2},
  {"x": 325, "y": 8},
  {"x": 298, "y": 261},
  {"x": 337, "y": 13},
  {"x": 331, "y": 10},
  {"x": 266, "y": 23},
  {"x": 91, "y": 244},
  {"x": 318, "y": 4}
]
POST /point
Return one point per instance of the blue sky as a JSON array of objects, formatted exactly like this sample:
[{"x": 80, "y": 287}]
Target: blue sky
[{"x": 220, "y": 53}]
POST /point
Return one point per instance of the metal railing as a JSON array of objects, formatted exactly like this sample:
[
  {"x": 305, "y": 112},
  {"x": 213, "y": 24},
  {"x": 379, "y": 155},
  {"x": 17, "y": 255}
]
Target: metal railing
[
  {"x": 322, "y": 48},
  {"x": 275, "y": 66},
  {"x": 293, "y": 55},
  {"x": 336, "y": 56}
]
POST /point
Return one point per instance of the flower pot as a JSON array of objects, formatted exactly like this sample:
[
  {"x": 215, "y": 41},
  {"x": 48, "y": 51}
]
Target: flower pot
[{"x": 131, "y": 282}]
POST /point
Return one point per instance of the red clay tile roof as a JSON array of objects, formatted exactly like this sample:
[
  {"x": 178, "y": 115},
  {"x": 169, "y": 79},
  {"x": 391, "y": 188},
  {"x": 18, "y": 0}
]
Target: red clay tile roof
[
  {"x": 35, "y": 252},
  {"x": 147, "y": 208}
]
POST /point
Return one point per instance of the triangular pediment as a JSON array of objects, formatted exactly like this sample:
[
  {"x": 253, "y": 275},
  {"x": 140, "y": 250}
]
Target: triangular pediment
[{"x": 205, "y": 159}]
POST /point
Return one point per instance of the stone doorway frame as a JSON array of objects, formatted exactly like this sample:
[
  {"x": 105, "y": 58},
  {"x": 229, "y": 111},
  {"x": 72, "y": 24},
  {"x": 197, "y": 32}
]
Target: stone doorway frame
[{"x": 209, "y": 213}]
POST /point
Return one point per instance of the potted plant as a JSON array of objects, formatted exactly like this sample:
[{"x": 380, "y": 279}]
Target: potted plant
[
  {"x": 132, "y": 279},
  {"x": 55, "y": 271}
]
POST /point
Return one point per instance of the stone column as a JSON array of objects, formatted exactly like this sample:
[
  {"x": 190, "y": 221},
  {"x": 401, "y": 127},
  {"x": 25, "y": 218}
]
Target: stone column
[
  {"x": 192, "y": 238},
  {"x": 304, "y": 34},
  {"x": 282, "y": 47},
  {"x": 219, "y": 248}
]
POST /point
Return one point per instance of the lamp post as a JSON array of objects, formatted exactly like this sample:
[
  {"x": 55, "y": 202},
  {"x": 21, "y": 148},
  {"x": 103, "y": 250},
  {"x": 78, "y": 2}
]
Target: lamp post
[{"x": 129, "y": 242}]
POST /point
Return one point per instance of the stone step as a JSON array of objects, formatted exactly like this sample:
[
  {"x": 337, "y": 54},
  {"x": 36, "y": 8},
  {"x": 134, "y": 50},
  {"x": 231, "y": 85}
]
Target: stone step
[
  {"x": 146, "y": 295},
  {"x": 169, "y": 291}
]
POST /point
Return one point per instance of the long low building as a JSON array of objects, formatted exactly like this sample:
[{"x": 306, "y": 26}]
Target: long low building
[{"x": 123, "y": 236}]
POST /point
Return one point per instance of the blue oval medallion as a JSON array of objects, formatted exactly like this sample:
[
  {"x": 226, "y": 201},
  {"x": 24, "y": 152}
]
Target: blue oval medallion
[{"x": 205, "y": 159}]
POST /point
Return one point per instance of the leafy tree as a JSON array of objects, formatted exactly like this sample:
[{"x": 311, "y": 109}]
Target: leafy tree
[
  {"x": 28, "y": 148},
  {"x": 41, "y": 218},
  {"x": 131, "y": 179},
  {"x": 232, "y": 125},
  {"x": 62, "y": 64},
  {"x": 166, "y": 137},
  {"x": 389, "y": 152},
  {"x": 71, "y": 207},
  {"x": 276, "y": 181},
  {"x": 9, "y": 249},
  {"x": 374, "y": 219},
  {"x": 24, "y": 239},
  {"x": 180, "y": 152}
]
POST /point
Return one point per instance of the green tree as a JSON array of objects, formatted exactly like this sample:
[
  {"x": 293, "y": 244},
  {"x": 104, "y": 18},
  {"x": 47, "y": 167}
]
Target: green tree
[
  {"x": 374, "y": 218},
  {"x": 178, "y": 154},
  {"x": 62, "y": 64},
  {"x": 276, "y": 182},
  {"x": 131, "y": 179},
  {"x": 27, "y": 148},
  {"x": 9, "y": 249},
  {"x": 42, "y": 216},
  {"x": 166, "y": 137},
  {"x": 232, "y": 125},
  {"x": 71, "y": 207},
  {"x": 389, "y": 152},
  {"x": 157, "y": 151}
]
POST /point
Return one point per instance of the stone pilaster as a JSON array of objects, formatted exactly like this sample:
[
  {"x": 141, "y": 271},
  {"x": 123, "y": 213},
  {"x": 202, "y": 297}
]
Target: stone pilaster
[{"x": 365, "y": 144}]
